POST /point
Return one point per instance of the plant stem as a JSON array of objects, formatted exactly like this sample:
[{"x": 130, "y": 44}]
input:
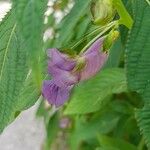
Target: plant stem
[
  {"x": 108, "y": 27},
  {"x": 125, "y": 18},
  {"x": 141, "y": 144},
  {"x": 86, "y": 36}
]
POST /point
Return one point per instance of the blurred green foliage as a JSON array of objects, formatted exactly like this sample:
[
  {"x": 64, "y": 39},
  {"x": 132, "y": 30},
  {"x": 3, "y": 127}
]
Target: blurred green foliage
[{"x": 111, "y": 111}]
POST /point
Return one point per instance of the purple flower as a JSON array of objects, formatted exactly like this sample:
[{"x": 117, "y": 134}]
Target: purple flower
[
  {"x": 67, "y": 71},
  {"x": 64, "y": 123}
]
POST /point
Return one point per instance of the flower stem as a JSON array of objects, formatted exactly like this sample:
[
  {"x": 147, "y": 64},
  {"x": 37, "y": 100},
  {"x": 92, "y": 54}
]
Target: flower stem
[
  {"x": 88, "y": 35},
  {"x": 141, "y": 144},
  {"x": 125, "y": 18},
  {"x": 108, "y": 27}
]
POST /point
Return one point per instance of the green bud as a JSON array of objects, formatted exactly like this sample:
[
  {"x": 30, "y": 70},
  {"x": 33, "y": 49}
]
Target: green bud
[
  {"x": 102, "y": 11},
  {"x": 110, "y": 39}
]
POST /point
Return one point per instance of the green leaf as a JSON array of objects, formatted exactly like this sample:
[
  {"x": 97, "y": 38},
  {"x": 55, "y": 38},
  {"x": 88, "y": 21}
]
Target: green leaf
[
  {"x": 41, "y": 110},
  {"x": 91, "y": 95},
  {"x": 125, "y": 17},
  {"x": 51, "y": 130},
  {"x": 143, "y": 118},
  {"x": 82, "y": 27},
  {"x": 138, "y": 62},
  {"x": 106, "y": 148},
  {"x": 28, "y": 95},
  {"x": 137, "y": 51},
  {"x": 83, "y": 131},
  {"x": 30, "y": 18},
  {"x": 17, "y": 91},
  {"x": 114, "y": 55},
  {"x": 115, "y": 143},
  {"x": 13, "y": 68},
  {"x": 70, "y": 21},
  {"x": 122, "y": 107}
]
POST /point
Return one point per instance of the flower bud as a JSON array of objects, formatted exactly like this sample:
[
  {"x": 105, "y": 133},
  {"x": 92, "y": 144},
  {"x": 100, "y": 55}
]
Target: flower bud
[
  {"x": 102, "y": 11},
  {"x": 112, "y": 36}
]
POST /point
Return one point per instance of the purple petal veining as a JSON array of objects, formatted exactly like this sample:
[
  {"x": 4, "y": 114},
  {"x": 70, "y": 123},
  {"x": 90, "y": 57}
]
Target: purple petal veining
[
  {"x": 61, "y": 60},
  {"x": 54, "y": 94},
  {"x": 95, "y": 60}
]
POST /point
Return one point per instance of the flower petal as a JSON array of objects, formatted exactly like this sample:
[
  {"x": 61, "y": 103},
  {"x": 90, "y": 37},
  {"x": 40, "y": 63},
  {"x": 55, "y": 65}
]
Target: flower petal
[
  {"x": 49, "y": 91},
  {"x": 54, "y": 94},
  {"x": 61, "y": 77},
  {"x": 95, "y": 47},
  {"x": 62, "y": 96},
  {"x": 95, "y": 60},
  {"x": 61, "y": 60}
]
